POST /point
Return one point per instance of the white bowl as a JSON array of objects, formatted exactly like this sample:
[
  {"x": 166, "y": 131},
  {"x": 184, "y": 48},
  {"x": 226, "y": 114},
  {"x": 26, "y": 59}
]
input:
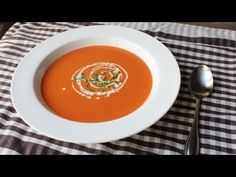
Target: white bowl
[{"x": 27, "y": 99}]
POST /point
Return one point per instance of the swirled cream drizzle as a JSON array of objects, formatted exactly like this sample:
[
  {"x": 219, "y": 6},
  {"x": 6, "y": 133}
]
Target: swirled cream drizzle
[{"x": 99, "y": 80}]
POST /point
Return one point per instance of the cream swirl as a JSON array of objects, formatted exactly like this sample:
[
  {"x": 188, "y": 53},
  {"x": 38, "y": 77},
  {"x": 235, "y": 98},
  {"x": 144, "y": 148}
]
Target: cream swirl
[{"x": 99, "y": 79}]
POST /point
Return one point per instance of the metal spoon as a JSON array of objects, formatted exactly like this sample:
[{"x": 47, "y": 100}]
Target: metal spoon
[{"x": 200, "y": 85}]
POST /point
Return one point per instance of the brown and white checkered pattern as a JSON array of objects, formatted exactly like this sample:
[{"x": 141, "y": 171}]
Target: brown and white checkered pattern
[{"x": 191, "y": 45}]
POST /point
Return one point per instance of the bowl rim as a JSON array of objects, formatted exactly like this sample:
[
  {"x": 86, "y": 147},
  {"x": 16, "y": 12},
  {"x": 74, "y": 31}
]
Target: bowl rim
[{"x": 41, "y": 119}]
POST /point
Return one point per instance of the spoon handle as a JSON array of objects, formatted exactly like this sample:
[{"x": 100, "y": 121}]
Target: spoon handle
[{"x": 192, "y": 143}]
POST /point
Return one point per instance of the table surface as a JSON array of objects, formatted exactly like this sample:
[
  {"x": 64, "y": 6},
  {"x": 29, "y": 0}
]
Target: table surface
[
  {"x": 220, "y": 25},
  {"x": 191, "y": 46},
  {"x": 4, "y": 26}
]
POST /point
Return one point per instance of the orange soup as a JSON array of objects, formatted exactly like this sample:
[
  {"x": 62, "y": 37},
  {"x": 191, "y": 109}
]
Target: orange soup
[{"x": 96, "y": 84}]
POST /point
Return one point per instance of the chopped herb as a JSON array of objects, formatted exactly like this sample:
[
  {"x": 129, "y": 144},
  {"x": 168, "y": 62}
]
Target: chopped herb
[
  {"x": 91, "y": 81},
  {"x": 81, "y": 79}
]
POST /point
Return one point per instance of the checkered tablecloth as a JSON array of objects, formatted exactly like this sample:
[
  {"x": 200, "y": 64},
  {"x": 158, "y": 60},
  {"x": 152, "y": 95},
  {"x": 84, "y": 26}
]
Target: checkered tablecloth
[{"x": 191, "y": 46}]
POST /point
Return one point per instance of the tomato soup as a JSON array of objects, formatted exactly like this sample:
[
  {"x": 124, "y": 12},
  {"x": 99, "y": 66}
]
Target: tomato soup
[{"x": 96, "y": 84}]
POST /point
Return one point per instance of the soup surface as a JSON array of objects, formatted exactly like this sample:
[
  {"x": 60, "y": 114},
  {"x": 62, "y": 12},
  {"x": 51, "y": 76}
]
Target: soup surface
[{"x": 96, "y": 84}]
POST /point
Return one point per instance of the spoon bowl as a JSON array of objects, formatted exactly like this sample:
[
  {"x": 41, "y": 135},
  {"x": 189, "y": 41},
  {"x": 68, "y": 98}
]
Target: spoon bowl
[{"x": 201, "y": 82}]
